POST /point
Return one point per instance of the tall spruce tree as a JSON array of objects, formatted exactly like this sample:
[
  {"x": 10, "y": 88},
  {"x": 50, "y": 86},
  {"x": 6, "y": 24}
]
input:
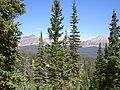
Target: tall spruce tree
[
  {"x": 112, "y": 75},
  {"x": 9, "y": 38},
  {"x": 74, "y": 38},
  {"x": 114, "y": 38},
  {"x": 74, "y": 41},
  {"x": 56, "y": 21},
  {"x": 98, "y": 76}
]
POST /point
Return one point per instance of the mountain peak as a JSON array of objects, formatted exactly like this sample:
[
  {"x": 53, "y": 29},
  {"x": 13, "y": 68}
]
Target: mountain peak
[
  {"x": 30, "y": 36},
  {"x": 34, "y": 40},
  {"x": 95, "y": 41},
  {"x": 29, "y": 40},
  {"x": 100, "y": 38}
]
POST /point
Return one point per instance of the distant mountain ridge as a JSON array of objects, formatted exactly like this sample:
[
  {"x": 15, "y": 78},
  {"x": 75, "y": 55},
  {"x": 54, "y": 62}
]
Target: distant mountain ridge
[
  {"x": 29, "y": 40},
  {"x": 89, "y": 47},
  {"x": 94, "y": 42},
  {"x": 84, "y": 51},
  {"x": 34, "y": 40}
]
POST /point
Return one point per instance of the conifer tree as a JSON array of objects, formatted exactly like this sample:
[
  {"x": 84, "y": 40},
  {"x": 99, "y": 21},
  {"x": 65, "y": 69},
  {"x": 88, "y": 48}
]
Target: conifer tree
[
  {"x": 74, "y": 41},
  {"x": 74, "y": 38},
  {"x": 56, "y": 21},
  {"x": 60, "y": 65},
  {"x": 112, "y": 74},
  {"x": 100, "y": 54},
  {"x": 114, "y": 38},
  {"x": 110, "y": 66},
  {"x": 60, "y": 68},
  {"x": 106, "y": 50},
  {"x": 98, "y": 76},
  {"x": 9, "y": 38},
  {"x": 9, "y": 32},
  {"x": 88, "y": 69},
  {"x": 99, "y": 68},
  {"x": 40, "y": 64}
]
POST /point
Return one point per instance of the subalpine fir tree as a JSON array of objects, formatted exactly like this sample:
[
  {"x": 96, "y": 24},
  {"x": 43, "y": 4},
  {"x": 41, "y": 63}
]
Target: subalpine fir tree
[
  {"x": 98, "y": 76},
  {"x": 112, "y": 75},
  {"x": 56, "y": 21},
  {"x": 9, "y": 37},
  {"x": 74, "y": 38},
  {"x": 74, "y": 41},
  {"x": 40, "y": 65}
]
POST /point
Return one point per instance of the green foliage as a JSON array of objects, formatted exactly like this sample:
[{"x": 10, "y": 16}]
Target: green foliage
[
  {"x": 9, "y": 80},
  {"x": 106, "y": 50},
  {"x": 100, "y": 53},
  {"x": 107, "y": 72},
  {"x": 74, "y": 41},
  {"x": 114, "y": 38},
  {"x": 10, "y": 9},
  {"x": 88, "y": 70},
  {"x": 40, "y": 64},
  {"x": 99, "y": 74},
  {"x": 74, "y": 38},
  {"x": 65, "y": 73},
  {"x": 112, "y": 73},
  {"x": 24, "y": 65},
  {"x": 9, "y": 38},
  {"x": 54, "y": 69},
  {"x": 9, "y": 32},
  {"x": 56, "y": 21},
  {"x": 65, "y": 42}
]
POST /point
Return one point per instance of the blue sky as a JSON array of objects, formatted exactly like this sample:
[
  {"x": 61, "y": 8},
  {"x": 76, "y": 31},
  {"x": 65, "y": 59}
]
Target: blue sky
[{"x": 94, "y": 15}]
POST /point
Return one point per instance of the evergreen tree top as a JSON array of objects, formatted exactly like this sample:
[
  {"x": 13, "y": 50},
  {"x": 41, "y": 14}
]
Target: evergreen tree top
[
  {"x": 74, "y": 18},
  {"x": 114, "y": 19},
  {"x": 55, "y": 30},
  {"x": 40, "y": 42},
  {"x": 114, "y": 38},
  {"x": 74, "y": 37},
  {"x": 100, "y": 54},
  {"x": 41, "y": 37}
]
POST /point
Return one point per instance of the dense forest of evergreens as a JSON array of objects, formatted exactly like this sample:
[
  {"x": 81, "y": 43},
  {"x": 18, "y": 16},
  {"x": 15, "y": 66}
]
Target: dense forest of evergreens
[{"x": 58, "y": 66}]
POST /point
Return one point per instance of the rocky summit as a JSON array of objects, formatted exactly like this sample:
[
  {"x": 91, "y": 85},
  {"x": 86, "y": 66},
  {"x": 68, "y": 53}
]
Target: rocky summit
[{"x": 94, "y": 42}]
